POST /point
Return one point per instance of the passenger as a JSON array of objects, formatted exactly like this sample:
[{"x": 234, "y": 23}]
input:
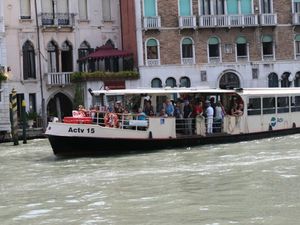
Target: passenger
[
  {"x": 198, "y": 109},
  {"x": 163, "y": 113},
  {"x": 148, "y": 108},
  {"x": 177, "y": 111},
  {"x": 82, "y": 111},
  {"x": 141, "y": 115},
  {"x": 127, "y": 116},
  {"x": 169, "y": 108},
  {"x": 237, "y": 110},
  {"x": 209, "y": 117},
  {"x": 219, "y": 115},
  {"x": 187, "y": 115},
  {"x": 118, "y": 107}
]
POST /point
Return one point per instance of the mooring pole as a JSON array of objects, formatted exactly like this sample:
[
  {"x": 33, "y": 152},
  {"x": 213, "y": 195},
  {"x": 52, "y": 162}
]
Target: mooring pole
[
  {"x": 14, "y": 116},
  {"x": 24, "y": 121}
]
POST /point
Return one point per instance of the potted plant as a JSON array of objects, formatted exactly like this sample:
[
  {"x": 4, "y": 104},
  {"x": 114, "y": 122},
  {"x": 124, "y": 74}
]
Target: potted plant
[{"x": 31, "y": 117}]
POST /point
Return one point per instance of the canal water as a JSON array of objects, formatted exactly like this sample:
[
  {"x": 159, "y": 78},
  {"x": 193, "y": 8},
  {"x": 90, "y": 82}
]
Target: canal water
[{"x": 254, "y": 182}]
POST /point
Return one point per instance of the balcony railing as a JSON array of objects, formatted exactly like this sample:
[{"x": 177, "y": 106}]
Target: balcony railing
[
  {"x": 187, "y": 22},
  {"x": 268, "y": 19},
  {"x": 153, "y": 62},
  {"x": 57, "y": 19},
  {"x": 187, "y": 61},
  {"x": 152, "y": 22},
  {"x": 296, "y": 18},
  {"x": 208, "y": 21},
  {"x": 59, "y": 78}
]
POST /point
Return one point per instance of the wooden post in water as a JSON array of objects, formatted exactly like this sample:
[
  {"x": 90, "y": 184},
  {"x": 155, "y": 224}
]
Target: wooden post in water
[
  {"x": 24, "y": 121},
  {"x": 14, "y": 118}
]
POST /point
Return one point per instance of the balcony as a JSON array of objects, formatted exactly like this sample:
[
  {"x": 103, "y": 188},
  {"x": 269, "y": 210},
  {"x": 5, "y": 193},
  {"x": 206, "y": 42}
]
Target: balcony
[
  {"x": 296, "y": 18},
  {"x": 187, "y": 22},
  {"x": 187, "y": 61},
  {"x": 152, "y": 62},
  {"x": 152, "y": 23},
  {"x": 210, "y": 21},
  {"x": 57, "y": 20},
  {"x": 268, "y": 19},
  {"x": 59, "y": 79}
]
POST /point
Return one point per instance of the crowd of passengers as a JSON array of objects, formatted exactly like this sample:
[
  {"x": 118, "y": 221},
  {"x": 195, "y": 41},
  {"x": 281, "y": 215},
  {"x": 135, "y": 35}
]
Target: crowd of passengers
[{"x": 186, "y": 111}]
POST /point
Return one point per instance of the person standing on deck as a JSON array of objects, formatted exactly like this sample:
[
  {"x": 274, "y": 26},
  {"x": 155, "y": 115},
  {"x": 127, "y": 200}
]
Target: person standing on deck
[{"x": 209, "y": 117}]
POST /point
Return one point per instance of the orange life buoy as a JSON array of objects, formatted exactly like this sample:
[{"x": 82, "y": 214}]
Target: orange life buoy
[{"x": 111, "y": 120}]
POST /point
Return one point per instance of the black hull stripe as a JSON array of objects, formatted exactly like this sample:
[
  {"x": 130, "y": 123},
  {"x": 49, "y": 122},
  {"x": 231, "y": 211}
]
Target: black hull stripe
[{"x": 83, "y": 146}]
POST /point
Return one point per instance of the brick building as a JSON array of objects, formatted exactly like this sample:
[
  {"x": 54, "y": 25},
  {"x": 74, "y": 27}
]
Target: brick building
[{"x": 219, "y": 43}]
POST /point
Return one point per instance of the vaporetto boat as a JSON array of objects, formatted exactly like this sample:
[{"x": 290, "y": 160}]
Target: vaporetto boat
[{"x": 264, "y": 112}]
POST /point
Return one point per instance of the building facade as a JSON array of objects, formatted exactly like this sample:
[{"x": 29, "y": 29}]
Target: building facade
[
  {"x": 4, "y": 90},
  {"x": 46, "y": 38},
  {"x": 219, "y": 43}
]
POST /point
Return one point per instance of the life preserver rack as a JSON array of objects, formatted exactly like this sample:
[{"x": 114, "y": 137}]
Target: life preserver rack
[{"x": 78, "y": 120}]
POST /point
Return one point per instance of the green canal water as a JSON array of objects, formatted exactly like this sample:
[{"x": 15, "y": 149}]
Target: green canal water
[{"x": 245, "y": 183}]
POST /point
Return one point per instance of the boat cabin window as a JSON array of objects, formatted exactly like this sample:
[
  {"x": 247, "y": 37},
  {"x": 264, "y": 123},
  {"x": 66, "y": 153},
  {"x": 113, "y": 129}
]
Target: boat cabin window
[
  {"x": 282, "y": 104},
  {"x": 295, "y": 103},
  {"x": 254, "y": 106},
  {"x": 269, "y": 105}
]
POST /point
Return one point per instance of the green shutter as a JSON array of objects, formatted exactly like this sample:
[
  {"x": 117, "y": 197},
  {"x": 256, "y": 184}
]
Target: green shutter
[
  {"x": 296, "y": 0},
  {"x": 267, "y": 38},
  {"x": 232, "y": 7},
  {"x": 297, "y": 38},
  {"x": 241, "y": 40},
  {"x": 151, "y": 42},
  {"x": 213, "y": 41},
  {"x": 185, "y": 8},
  {"x": 187, "y": 41},
  {"x": 149, "y": 8},
  {"x": 246, "y": 7}
]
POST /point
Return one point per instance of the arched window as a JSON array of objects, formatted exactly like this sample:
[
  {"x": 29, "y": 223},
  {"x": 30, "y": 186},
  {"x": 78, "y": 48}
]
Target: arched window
[
  {"x": 185, "y": 82},
  {"x": 214, "y": 49},
  {"x": 152, "y": 52},
  {"x": 84, "y": 49},
  {"x": 187, "y": 51},
  {"x": 52, "y": 50},
  {"x": 28, "y": 61},
  {"x": 110, "y": 43},
  {"x": 171, "y": 82},
  {"x": 273, "y": 80},
  {"x": 67, "y": 57},
  {"x": 297, "y": 80},
  {"x": 241, "y": 48},
  {"x": 156, "y": 83},
  {"x": 267, "y": 47},
  {"x": 285, "y": 81},
  {"x": 229, "y": 80}
]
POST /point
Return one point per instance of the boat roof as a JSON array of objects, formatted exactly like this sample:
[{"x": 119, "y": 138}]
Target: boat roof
[
  {"x": 168, "y": 90},
  {"x": 160, "y": 91}
]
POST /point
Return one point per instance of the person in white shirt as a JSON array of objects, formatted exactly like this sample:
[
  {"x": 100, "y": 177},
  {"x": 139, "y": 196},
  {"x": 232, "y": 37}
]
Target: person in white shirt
[{"x": 209, "y": 117}]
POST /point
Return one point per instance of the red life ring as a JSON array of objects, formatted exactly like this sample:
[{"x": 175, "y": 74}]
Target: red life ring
[{"x": 111, "y": 120}]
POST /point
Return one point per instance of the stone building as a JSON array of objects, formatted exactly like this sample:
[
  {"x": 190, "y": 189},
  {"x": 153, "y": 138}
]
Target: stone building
[
  {"x": 219, "y": 43},
  {"x": 45, "y": 39},
  {"x": 4, "y": 91}
]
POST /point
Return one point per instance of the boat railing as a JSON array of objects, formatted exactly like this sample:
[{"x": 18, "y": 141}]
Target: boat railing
[
  {"x": 197, "y": 126},
  {"x": 123, "y": 120},
  {"x": 136, "y": 121}
]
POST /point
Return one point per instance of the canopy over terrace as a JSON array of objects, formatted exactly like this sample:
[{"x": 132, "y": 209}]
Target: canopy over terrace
[{"x": 107, "y": 58}]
